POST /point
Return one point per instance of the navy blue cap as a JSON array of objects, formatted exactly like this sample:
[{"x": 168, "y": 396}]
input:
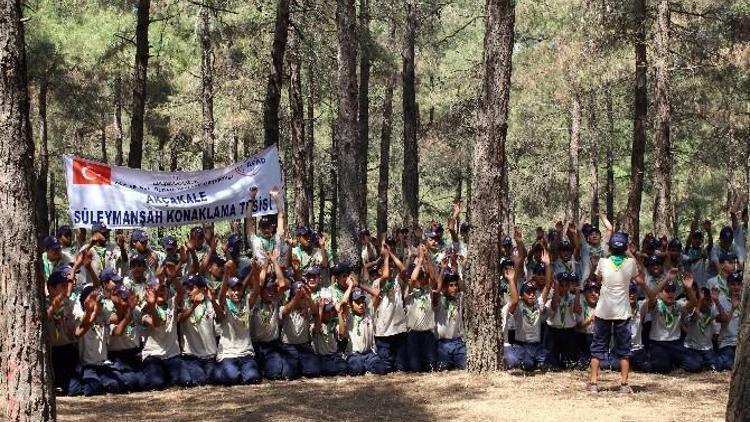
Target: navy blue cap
[
  {"x": 618, "y": 241},
  {"x": 197, "y": 231},
  {"x": 591, "y": 285},
  {"x": 727, "y": 256},
  {"x": 329, "y": 307},
  {"x": 565, "y": 245},
  {"x": 465, "y": 227},
  {"x": 312, "y": 270},
  {"x": 169, "y": 242},
  {"x": 99, "y": 228},
  {"x": 341, "y": 268},
  {"x": 726, "y": 234},
  {"x": 270, "y": 282},
  {"x": 87, "y": 290},
  {"x": 122, "y": 292},
  {"x": 218, "y": 260},
  {"x": 196, "y": 280},
  {"x": 563, "y": 277},
  {"x": 59, "y": 276},
  {"x": 431, "y": 234},
  {"x": 357, "y": 294},
  {"x": 594, "y": 229},
  {"x": 303, "y": 231},
  {"x": 364, "y": 232},
  {"x": 109, "y": 274},
  {"x": 652, "y": 243},
  {"x": 698, "y": 234},
  {"x": 233, "y": 281},
  {"x": 265, "y": 220},
  {"x": 586, "y": 229},
  {"x": 51, "y": 242},
  {"x": 528, "y": 286},
  {"x": 735, "y": 277},
  {"x": 671, "y": 286},
  {"x": 505, "y": 262},
  {"x": 675, "y": 244},
  {"x": 653, "y": 260},
  {"x": 137, "y": 260},
  {"x": 244, "y": 271},
  {"x": 139, "y": 235},
  {"x": 507, "y": 241},
  {"x": 234, "y": 244},
  {"x": 439, "y": 229},
  {"x": 539, "y": 268},
  {"x": 64, "y": 231},
  {"x": 633, "y": 287},
  {"x": 450, "y": 275},
  {"x": 171, "y": 259}
]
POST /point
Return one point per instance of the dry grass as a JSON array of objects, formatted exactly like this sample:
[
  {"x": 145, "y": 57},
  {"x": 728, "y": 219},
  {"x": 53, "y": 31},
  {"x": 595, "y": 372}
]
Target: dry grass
[{"x": 456, "y": 396}]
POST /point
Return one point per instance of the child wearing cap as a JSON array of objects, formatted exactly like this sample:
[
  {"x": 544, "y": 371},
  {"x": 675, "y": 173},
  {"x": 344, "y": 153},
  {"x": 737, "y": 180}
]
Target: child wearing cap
[
  {"x": 419, "y": 301},
  {"x": 197, "y": 333},
  {"x": 297, "y": 315},
  {"x": 325, "y": 339},
  {"x": 592, "y": 250},
  {"x": 727, "y": 265},
  {"x": 233, "y": 252},
  {"x": 124, "y": 346},
  {"x": 667, "y": 315},
  {"x": 136, "y": 279},
  {"x": 61, "y": 322},
  {"x": 215, "y": 273},
  {"x": 727, "y": 247},
  {"x": 585, "y": 324},
  {"x": 198, "y": 247},
  {"x": 271, "y": 235},
  {"x": 102, "y": 254},
  {"x": 310, "y": 250},
  {"x": 235, "y": 354},
  {"x": 699, "y": 331},
  {"x": 162, "y": 363},
  {"x": 730, "y": 321},
  {"x": 356, "y": 324},
  {"x": 341, "y": 272},
  {"x": 566, "y": 261},
  {"x": 92, "y": 330},
  {"x": 390, "y": 316},
  {"x": 67, "y": 240},
  {"x": 695, "y": 256},
  {"x": 528, "y": 312},
  {"x": 613, "y": 312},
  {"x": 266, "y": 318},
  {"x": 449, "y": 323},
  {"x": 139, "y": 247},
  {"x": 563, "y": 308},
  {"x": 54, "y": 257}
]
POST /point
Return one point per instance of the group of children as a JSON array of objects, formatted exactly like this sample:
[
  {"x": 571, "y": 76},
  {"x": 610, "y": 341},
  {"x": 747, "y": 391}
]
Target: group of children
[
  {"x": 684, "y": 302},
  {"x": 124, "y": 316}
]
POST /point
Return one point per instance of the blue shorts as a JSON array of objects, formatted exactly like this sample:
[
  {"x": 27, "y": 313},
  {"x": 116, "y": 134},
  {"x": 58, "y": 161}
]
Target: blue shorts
[{"x": 615, "y": 330}]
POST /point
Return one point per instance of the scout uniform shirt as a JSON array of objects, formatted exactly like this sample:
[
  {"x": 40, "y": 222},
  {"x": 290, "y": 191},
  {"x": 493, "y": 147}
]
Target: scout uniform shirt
[
  {"x": 700, "y": 328},
  {"x": 729, "y": 331},
  {"x": 562, "y": 316},
  {"x": 666, "y": 319},
  {"x": 235, "y": 339},
  {"x": 49, "y": 266},
  {"x": 197, "y": 334},
  {"x": 361, "y": 332},
  {"x": 528, "y": 320},
  {"x": 264, "y": 321},
  {"x": 130, "y": 338},
  {"x": 295, "y": 326},
  {"x": 390, "y": 318},
  {"x": 325, "y": 342},
  {"x": 449, "y": 323},
  {"x": 161, "y": 341},
  {"x": 62, "y": 325},
  {"x": 92, "y": 346},
  {"x": 636, "y": 325},
  {"x": 419, "y": 313},
  {"x": 307, "y": 258}
]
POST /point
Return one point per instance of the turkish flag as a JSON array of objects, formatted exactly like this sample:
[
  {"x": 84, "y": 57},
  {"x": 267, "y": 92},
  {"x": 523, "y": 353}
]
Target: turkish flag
[{"x": 88, "y": 173}]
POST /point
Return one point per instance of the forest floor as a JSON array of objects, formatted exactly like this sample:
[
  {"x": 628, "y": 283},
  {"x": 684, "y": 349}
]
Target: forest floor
[{"x": 455, "y": 396}]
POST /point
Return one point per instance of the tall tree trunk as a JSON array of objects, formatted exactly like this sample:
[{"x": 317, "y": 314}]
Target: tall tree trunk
[
  {"x": 610, "y": 186},
  {"x": 640, "y": 118},
  {"x": 386, "y": 132},
  {"x": 140, "y": 78},
  {"x": 310, "y": 140},
  {"x": 173, "y": 155},
  {"x": 594, "y": 159},
  {"x": 273, "y": 87},
  {"x": 574, "y": 200},
  {"x": 103, "y": 142},
  {"x": 663, "y": 212},
  {"x": 334, "y": 224},
  {"x": 347, "y": 142},
  {"x": 410, "y": 174},
  {"x": 321, "y": 202},
  {"x": 51, "y": 201},
  {"x": 483, "y": 314},
  {"x": 235, "y": 145},
  {"x": 42, "y": 169},
  {"x": 363, "y": 120},
  {"x": 297, "y": 129},
  {"x": 117, "y": 100},
  {"x": 26, "y": 383},
  {"x": 207, "y": 88}
]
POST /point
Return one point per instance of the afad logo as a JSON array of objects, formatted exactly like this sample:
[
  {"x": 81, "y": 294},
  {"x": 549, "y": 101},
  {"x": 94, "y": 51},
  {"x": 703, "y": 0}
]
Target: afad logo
[
  {"x": 251, "y": 167},
  {"x": 89, "y": 173}
]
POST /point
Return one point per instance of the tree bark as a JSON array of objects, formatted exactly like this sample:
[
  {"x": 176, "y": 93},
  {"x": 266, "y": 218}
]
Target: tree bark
[
  {"x": 140, "y": 78},
  {"x": 42, "y": 170},
  {"x": 297, "y": 128},
  {"x": 349, "y": 152},
  {"x": 483, "y": 313},
  {"x": 386, "y": 132},
  {"x": 334, "y": 224},
  {"x": 117, "y": 94},
  {"x": 235, "y": 145},
  {"x": 363, "y": 120},
  {"x": 310, "y": 140},
  {"x": 273, "y": 87},
  {"x": 593, "y": 159},
  {"x": 574, "y": 200},
  {"x": 640, "y": 118},
  {"x": 207, "y": 89},
  {"x": 610, "y": 186},
  {"x": 410, "y": 174},
  {"x": 51, "y": 202},
  {"x": 103, "y": 142},
  {"x": 663, "y": 211},
  {"x": 26, "y": 382},
  {"x": 321, "y": 202}
]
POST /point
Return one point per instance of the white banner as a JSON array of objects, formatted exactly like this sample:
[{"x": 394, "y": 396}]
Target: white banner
[{"x": 122, "y": 197}]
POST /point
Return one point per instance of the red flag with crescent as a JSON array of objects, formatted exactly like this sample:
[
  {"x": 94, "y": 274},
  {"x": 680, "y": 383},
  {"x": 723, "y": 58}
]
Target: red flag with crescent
[{"x": 88, "y": 173}]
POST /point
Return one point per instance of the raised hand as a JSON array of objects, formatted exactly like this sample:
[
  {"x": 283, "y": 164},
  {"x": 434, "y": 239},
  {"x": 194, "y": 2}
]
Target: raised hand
[
  {"x": 253, "y": 192},
  {"x": 517, "y": 235},
  {"x": 546, "y": 257},
  {"x": 275, "y": 193},
  {"x": 120, "y": 240},
  {"x": 687, "y": 280},
  {"x": 150, "y": 296}
]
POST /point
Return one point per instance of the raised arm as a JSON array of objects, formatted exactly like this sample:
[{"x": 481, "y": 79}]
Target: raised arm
[
  {"x": 511, "y": 274},
  {"x": 688, "y": 281},
  {"x": 547, "y": 274},
  {"x": 249, "y": 214},
  {"x": 280, "y": 223}
]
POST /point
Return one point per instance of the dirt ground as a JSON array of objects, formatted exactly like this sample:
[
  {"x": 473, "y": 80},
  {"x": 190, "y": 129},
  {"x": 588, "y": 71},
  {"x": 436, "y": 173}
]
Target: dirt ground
[{"x": 456, "y": 396}]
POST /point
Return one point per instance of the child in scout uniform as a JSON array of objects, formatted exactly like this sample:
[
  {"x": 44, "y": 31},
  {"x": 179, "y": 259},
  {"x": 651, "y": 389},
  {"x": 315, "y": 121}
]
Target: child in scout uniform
[
  {"x": 325, "y": 340},
  {"x": 215, "y": 274},
  {"x": 235, "y": 354},
  {"x": 730, "y": 321},
  {"x": 197, "y": 333},
  {"x": 420, "y": 314},
  {"x": 54, "y": 257},
  {"x": 727, "y": 265},
  {"x": 124, "y": 348},
  {"x": 297, "y": 314},
  {"x": 566, "y": 261},
  {"x": 95, "y": 375},
  {"x": 449, "y": 323},
  {"x": 562, "y": 312},
  {"x": 310, "y": 250},
  {"x": 699, "y": 331},
  {"x": 356, "y": 323},
  {"x": 585, "y": 324},
  {"x": 137, "y": 279},
  {"x": 265, "y": 318},
  {"x": 528, "y": 312},
  {"x": 140, "y": 248},
  {"x": 667, "y": 314},
  {"x": 162, "y": 363},
  {"x": 390, "y": 317},
  {"x": 271, "y": 233},
  {"x": 62, "y": 324}
]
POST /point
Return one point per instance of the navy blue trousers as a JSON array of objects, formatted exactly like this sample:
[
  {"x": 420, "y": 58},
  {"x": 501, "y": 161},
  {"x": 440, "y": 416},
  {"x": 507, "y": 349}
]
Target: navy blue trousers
[{"x": 451, "y": 354}]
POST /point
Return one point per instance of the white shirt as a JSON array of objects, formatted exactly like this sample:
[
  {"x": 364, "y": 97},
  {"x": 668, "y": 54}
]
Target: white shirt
[
  {"x": 295, "y": 327},
  {"x": 700, "y": 329},
  {"x": 130, "y": 338},
  {"x": 235, "y": 331},
  {"x": 62, "y": 325},
  {"x": 636, "y": 325},
  {"x": 528, "y": 320},
  {"x": 666, "y": 320},
  {"x": 161, "y": 341},
  {"x": 390, "y": 317},
  {"x": 562, "y": 316},
  {"x": 265, "y": 321},
  {"x": 361, "y": 332},
  {"x": 325, "y": 342},
  {"x": 92, "y": 346},
  {"x": 449, "y": 323},
  {"x": 197, "y": 333},
  {"x": 614, "y": 297},
  {"x": 729, "y": 331},
  {"x": 419, "y": 313}
]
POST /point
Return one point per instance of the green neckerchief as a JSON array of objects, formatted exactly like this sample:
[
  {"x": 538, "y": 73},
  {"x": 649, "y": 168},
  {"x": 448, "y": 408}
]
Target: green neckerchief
[
  {"x": 666, "y": 312},
  {"x": 704, "y": 319},
  {"x": 243, "y": 316},
  {"x": 596, "y": 251},
  {"x": 267, "y": 244},
  {"x": 161, "y": 310},
  {"x": 452, "y": 307},
  {"x": 389, "y": 285},
  {"x": 358, "y": 322},
  {"x": 722, "y": 285},
  {"x": 100, "y": 252},
  {"x": 531, "y": 315},
  {"x": 301, "y": 253},
  {"x": 562, "y": 307},
  {"x": 200, "y": 310},
  {"x": 617, "y": 261},
  {"x": 266, "y": 313},
  {"x": 420, "y": 297}
]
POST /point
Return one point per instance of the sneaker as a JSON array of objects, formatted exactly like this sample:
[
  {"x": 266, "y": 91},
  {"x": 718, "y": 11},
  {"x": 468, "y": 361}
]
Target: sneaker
[
  {"x": 592, "y": 387},
  {"x": 625, "y": 389}
]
